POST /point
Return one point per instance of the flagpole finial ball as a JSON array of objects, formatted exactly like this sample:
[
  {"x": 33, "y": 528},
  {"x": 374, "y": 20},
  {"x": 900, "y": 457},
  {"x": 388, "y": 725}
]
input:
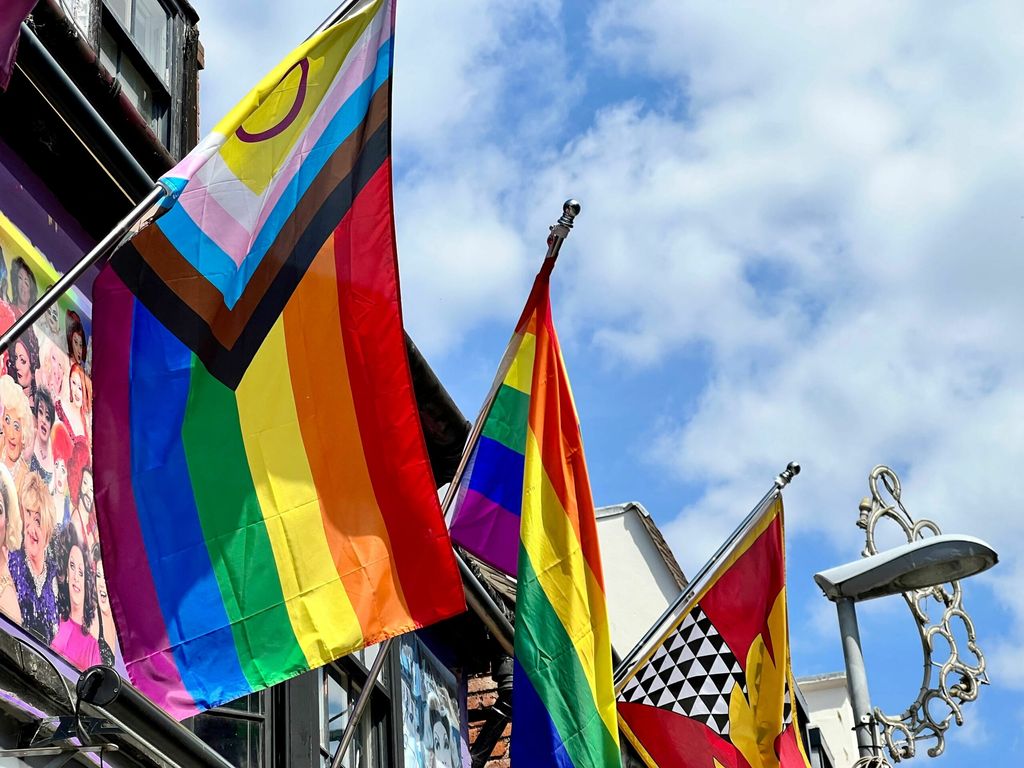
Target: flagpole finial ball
[
  {"x": 572, "y": 207},
  {"x": 793, "y": 468}
]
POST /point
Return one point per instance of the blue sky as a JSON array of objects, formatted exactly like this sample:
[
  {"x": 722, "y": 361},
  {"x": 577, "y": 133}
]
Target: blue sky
[{"x": 800, "y": 239}]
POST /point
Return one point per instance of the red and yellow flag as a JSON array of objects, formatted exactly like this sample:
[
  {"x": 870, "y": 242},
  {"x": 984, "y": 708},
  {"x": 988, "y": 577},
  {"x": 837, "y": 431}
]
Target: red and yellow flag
[{"x": 714, "y": 692}]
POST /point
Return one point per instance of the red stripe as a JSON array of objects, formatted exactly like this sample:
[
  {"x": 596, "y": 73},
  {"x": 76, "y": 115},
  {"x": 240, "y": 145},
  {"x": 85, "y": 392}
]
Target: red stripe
[
  {"x": 554, "y": 422},
  {"x": 396, "y": 454}
]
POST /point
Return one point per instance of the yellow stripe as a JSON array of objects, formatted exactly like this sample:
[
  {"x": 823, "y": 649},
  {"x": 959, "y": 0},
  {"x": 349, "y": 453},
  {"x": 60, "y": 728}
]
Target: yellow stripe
[
  {"x": 266, "y": 105},
  {"x": 520, "y": 375},
  {"x": 320, "y": 611},
  {"x": 569, "y": 584}
]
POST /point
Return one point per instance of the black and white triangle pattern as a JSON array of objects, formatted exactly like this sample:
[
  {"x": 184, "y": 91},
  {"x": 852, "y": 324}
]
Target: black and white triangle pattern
[{"x": 692, "y": 673}]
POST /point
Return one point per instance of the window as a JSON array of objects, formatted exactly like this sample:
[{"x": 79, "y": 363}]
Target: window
[
  {"x": 148, "y": 24},
  {"x": 237, "y": 730},
  {"x": 341, "y": 684},
  {"x": 134, "y": 48}
]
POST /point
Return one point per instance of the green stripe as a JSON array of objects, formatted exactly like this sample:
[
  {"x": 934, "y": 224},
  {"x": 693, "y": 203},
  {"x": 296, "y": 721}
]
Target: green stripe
[
  {"x": 546, "y": 652},
  {"x": 236, "y": 535},
  {"x": 507, "y": 421}
]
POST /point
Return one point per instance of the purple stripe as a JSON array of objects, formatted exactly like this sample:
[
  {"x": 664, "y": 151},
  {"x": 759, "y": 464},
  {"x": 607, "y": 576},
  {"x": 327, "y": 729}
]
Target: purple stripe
[
  {"x": 132, "y": 591},
  {"x": 488, "y": 530}
]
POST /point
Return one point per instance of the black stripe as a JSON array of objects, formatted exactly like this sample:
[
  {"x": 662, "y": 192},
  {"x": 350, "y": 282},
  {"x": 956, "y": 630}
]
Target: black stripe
[{"x": 192, "y": 330}]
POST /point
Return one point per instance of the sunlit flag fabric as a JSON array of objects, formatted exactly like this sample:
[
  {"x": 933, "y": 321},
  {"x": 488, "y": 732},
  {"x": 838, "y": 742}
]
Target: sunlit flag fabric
[
  {"x": 562, "y": 682},
  {"x": 257, "y": 529},
  {"x": 489, "y": 502},
  {"x": 714, "y": 691},
  {"x": 251, "y": 205}
]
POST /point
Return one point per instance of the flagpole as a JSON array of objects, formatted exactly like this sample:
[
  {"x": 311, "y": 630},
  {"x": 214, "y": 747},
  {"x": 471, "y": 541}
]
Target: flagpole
[
  {"x": 697, "y": 583},
  {"x": 100, "y": 251},
  {"x": 361, "y": 701},
  {"x": 559, "y": 231},
  {"x": 336, "y": 15}
]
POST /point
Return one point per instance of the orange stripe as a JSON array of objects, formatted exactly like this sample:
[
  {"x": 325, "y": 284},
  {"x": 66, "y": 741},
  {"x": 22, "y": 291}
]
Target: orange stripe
[
  {"x": 554, "y": 421},
  {"x": 356, "y": 533}
]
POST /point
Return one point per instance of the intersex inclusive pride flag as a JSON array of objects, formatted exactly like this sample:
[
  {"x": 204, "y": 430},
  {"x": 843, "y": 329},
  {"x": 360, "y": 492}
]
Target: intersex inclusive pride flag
[
  {"x": 263, "y": 487},
  {"x": 562, "y": 684},
  {"x": 714, "y": 692}
]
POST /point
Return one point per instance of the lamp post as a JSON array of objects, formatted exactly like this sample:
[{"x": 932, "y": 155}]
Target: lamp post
[{"x": 918, "y": 570}]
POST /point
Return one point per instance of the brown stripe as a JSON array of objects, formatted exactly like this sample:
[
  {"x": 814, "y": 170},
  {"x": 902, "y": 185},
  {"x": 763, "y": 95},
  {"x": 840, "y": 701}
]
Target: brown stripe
[{"x": 202, "y": 296}]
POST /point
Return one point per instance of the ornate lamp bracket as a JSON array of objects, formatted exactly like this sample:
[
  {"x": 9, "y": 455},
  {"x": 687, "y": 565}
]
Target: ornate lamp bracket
[{"x": 951, "y": 679}]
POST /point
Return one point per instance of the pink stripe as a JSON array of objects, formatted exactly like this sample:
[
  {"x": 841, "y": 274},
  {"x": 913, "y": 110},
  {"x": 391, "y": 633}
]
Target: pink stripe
[
  {"x": 132, "y": 592},
  {"x": 217, "y": 222},
  {"x": 488, "y": 530}
]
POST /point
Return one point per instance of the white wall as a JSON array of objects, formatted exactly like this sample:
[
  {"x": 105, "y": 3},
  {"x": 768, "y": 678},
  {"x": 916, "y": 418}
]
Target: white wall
[
  {"x": 828, "y": 705},
  {"x": 638, "y": 584}
]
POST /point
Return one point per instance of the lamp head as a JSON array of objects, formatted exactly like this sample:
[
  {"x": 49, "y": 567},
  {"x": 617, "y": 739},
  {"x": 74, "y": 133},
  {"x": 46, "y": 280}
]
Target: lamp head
[{"x": 917, "y": 565}]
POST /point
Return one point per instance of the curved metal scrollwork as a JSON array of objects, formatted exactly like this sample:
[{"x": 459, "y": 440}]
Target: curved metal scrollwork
[{"x": 948, "y": 683}]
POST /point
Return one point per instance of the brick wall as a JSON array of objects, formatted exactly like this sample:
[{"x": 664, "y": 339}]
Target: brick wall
[{"x": 482, "y": 694}]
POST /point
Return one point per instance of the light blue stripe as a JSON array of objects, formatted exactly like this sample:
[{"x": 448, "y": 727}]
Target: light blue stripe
[{"x": 210, "y": 259}]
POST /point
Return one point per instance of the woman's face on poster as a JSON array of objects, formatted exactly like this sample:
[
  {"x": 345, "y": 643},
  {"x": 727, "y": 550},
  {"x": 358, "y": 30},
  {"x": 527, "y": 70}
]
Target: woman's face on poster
[
  {"x": 22, "y": 365},
  {"x": 32, "y": 517},
  {"x": 101, "y": 588},
  {"x": 78, "y": 348},
  {"x": 60, "y": 477},
  {"x": 76, "y": 577},
  {"x": 24, "y": 289},
  {"x": 43, "y": 424},
  {"x": 56, "y": 373},
  {"x": 442, "y": 746},
  {"x": 12, "y": 437},
  {"x": 76, "y": 389}
]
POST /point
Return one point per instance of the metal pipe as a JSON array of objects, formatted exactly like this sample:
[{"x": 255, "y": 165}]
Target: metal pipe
[
  {"x": 98, "y": 253},
  {"x": 361, "y": 701},
  {"x": 485, "y": 608},
  {"x": 856, "y": 677},
  {"x": 697, "y": 583},
  {"x": 54, "y": 83},
  {"x": 134, "y": 708}
]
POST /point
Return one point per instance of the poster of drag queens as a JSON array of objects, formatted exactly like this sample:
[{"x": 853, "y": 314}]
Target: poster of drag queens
[
  {"x": 430, "y": 708},
  {"x": 51, "y": 558}
]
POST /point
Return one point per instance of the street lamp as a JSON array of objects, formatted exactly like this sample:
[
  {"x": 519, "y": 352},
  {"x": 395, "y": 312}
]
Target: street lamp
[{"x": 918, "y": 569}]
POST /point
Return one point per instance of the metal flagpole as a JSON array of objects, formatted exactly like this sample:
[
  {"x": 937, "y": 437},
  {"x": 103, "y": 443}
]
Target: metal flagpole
[
  {"x": 697, "y": 583},
  {"x": 478, "y": 600},
  {"x": 559, "y": 231},
  {"x": 361, "y": 701},
  {"x": 336, "y": 15},
  {"x": 101, "y": 250}
]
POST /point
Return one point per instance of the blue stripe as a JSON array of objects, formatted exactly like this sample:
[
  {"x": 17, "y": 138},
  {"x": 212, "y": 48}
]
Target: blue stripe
[
  {"x": 535, "y": 740},
  {"x": 498, "y": 474},
  {"x": 197, "y": 624},
  {"x": 210, "y": 259}
]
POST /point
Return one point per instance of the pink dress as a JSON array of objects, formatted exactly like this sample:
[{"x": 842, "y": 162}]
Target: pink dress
[{"x": 82, "y": 650}]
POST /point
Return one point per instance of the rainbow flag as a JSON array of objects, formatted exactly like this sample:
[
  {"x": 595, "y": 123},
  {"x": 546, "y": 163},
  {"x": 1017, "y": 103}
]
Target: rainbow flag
[
  {"x": 251, "y": 205},
  {"x": 488, "y": 505},
  {"x": 562, "y": 684},
  {"x": 254, "y": 530}
]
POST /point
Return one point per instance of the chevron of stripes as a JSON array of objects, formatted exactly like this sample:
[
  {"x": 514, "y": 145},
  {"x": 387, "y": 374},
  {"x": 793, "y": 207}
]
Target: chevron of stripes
[{"x": 692, "y": 674}]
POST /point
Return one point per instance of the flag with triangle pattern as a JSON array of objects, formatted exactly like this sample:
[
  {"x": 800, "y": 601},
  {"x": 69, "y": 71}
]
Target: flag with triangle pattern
[{"x": 714, "y": 692}]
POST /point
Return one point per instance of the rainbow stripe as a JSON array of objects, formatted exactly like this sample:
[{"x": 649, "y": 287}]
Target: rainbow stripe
[
  {"x": 563, "y": 694},
  {"x": 254, "y": 533},
  {"x": 251, "y": 205},
  {"x": 490, "y": 497}
]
